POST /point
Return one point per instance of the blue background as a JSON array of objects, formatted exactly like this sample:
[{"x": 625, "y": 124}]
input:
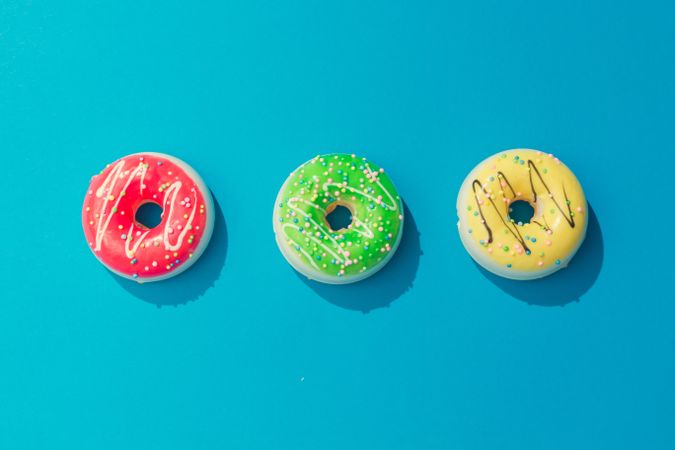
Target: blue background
[{"x": 244, "y": 354}]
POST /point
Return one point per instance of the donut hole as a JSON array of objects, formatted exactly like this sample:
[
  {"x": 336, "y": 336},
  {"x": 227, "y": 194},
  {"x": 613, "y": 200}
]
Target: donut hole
[
  {"x": 149, "y": 215},
  {"x": 338, "y": 216},
  {"x": 521, "y": 212}
]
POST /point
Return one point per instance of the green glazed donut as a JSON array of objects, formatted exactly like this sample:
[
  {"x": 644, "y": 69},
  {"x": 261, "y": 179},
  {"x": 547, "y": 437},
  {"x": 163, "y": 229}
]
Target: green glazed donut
[{"x": 312, "y": 192}]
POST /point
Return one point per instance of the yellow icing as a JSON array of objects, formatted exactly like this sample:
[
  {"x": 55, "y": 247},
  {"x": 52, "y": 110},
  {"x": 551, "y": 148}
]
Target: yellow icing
[{"x": 554, "y": 232}]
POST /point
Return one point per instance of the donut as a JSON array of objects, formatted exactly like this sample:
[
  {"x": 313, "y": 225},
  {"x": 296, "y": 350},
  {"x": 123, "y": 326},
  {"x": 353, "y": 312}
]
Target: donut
[
  {"x": 517, "y": 250},
  {"x": 312, "y": 192},
  {"x": 131, "y": 249}
]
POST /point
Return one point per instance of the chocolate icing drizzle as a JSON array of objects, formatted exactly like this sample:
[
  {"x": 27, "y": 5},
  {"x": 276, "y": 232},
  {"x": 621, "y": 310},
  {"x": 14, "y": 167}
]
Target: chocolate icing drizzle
[
  {"x": 569, "y": 217},
  {"x": 513, "y": 229}
]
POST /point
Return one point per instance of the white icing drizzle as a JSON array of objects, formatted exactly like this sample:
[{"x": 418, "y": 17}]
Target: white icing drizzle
[
  {"x": 173, "y": 189},
  {"x": 394, "y": 203},
  {"x": 107, "y": 189},
  {"x": 130, "y": 252},
  {"x": 318, "y": 241},
  {"x": 321, "y": 227},
  {"x": 304, "y": 252},
  {"x": 357, "y": 229},
  {"x": 358, "y": 226}
]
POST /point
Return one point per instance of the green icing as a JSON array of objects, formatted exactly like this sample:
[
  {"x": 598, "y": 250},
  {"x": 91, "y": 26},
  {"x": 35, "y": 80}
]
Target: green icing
[{"x": 314, "y": 189}]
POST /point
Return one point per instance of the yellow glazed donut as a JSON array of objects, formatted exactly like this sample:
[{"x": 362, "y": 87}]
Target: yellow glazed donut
[{"x": 522, "y": 251}]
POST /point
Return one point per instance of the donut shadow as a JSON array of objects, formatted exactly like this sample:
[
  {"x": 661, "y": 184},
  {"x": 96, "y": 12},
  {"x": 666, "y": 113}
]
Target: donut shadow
[
  {"x": 566, "y": 285},
  {"x": 195, "y": 281},
  {"x": 385, "y": 286}
]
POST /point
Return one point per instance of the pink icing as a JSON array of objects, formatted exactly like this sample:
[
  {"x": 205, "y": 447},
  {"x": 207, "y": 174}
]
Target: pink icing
[{"x": 128, "y": 247}]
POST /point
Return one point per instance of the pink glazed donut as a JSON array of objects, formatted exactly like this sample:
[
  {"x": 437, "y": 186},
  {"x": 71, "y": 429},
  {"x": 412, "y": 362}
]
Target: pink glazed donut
[{"x": 129, "y": 248}]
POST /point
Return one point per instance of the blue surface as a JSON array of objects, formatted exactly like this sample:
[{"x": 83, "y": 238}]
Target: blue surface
[{"x": 254, "y": 357}]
